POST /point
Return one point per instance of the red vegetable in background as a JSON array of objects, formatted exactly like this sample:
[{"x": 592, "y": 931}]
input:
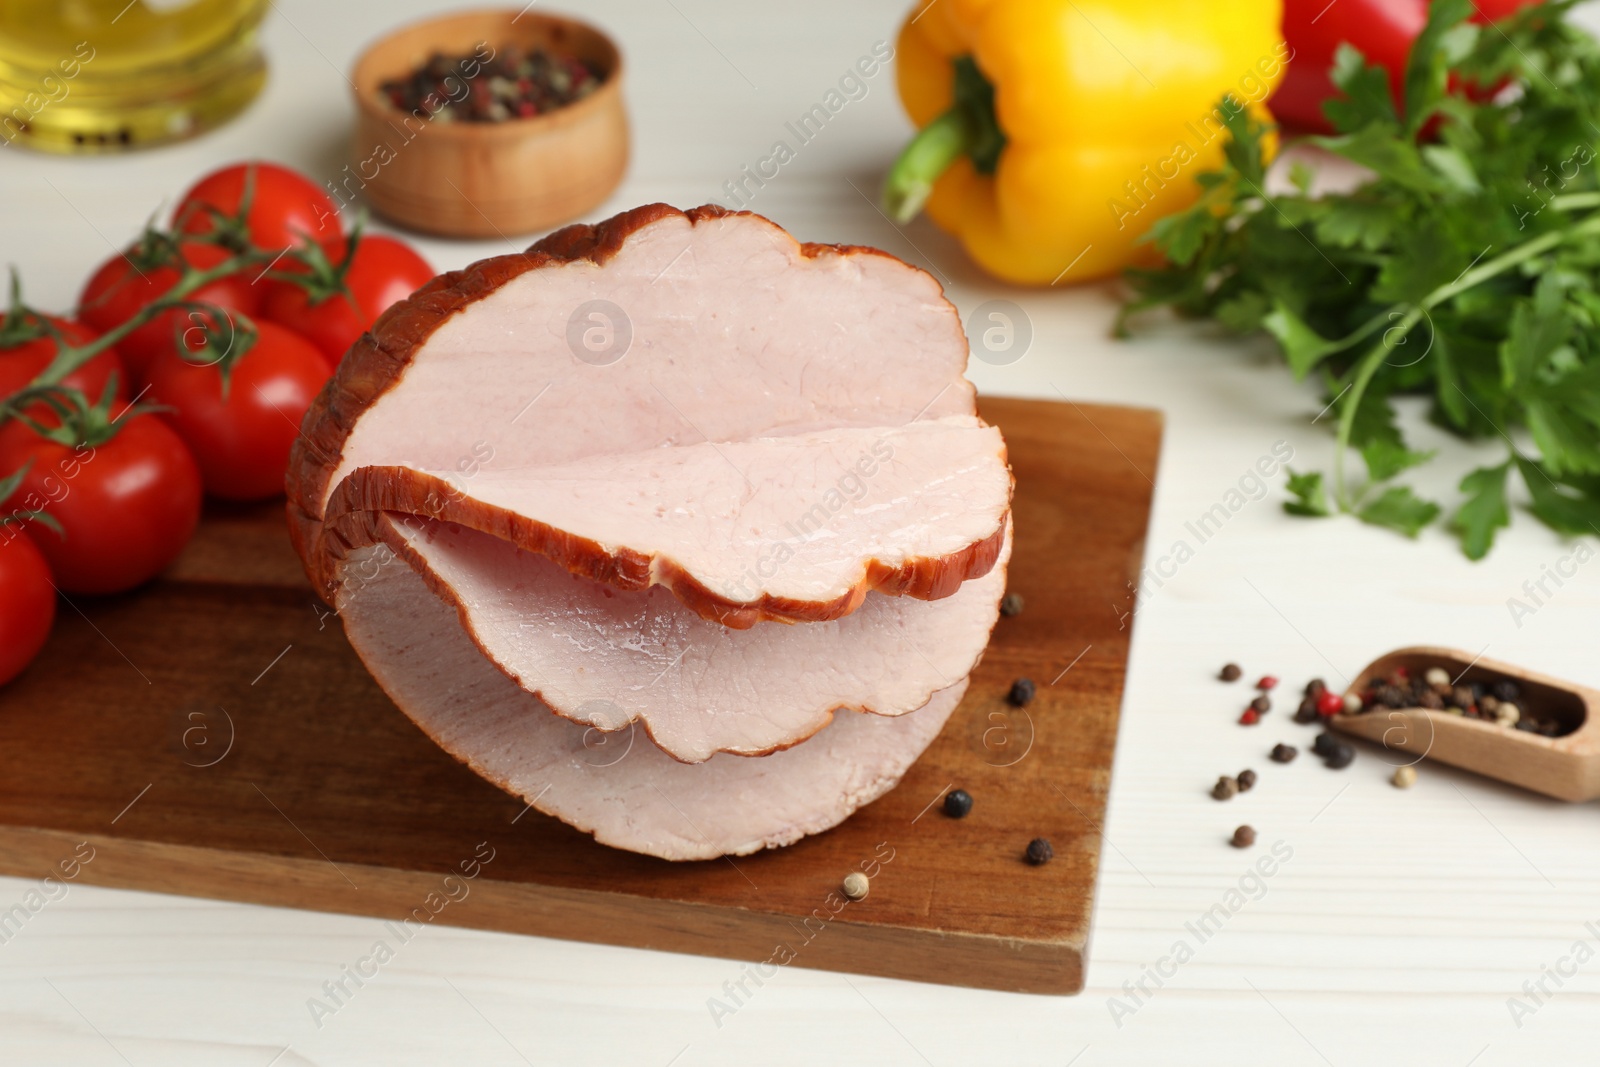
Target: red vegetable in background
[
  {"x": 27, "y": 602},
  {"x": 1381, "y": 30},
  {"x": 125, "y": 283},
  {"x": 383, "y": 272},
  {"x": 126, "y": 505},
  {"x": 241, "y": 438},
  {"x": 21, "y": 363},
  {"x": 284, "y": 205}
]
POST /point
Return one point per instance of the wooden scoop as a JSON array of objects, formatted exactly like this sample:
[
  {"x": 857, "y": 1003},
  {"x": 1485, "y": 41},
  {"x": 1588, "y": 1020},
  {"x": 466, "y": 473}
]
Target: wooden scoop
[{"x": 1566, "y": 767}]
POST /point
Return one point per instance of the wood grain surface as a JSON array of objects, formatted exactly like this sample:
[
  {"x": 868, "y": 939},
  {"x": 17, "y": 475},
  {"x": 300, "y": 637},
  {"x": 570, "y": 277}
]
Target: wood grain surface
[{"x": 214, "y": 735}]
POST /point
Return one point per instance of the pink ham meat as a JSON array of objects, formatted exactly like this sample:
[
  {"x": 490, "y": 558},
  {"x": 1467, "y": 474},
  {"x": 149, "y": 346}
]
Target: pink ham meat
[
  {"x": 605, "y": 658},
  {"x": 681, "y": 477},
  {"x": 656, "y": 328},
  {"x": 617, "y": 786},
  {"x": 795, "y": 528}
]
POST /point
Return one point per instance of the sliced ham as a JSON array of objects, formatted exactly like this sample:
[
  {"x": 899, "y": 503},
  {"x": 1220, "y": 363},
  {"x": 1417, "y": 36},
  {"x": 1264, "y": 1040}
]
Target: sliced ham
[
  {"x": 793, "y": 528},
  {"x": 606, "y": 658},
  {"x": 617, "y": 786},
  {"x": 685, "y": 532},
  {"x": 734, "y": 330}
]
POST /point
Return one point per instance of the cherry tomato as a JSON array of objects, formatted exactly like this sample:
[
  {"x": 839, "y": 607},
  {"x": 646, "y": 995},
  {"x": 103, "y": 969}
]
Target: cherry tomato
[
  {"x": 118, "y": 290},
  {"x": 242, "y": 439},
  {"x": 27, "y": 602},
  {"x": 21, "y": 364},
  {"x": 384, "y": 272},
  {"x": 284, "y": 206},
  {"x": 126, "y": 506}
]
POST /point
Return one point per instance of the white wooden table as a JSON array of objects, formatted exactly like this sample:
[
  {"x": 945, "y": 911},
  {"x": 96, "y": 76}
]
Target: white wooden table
[{"x": 1397, "y": 932}]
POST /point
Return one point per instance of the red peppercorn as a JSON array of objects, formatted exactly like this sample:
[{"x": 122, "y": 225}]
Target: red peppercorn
[
  {"x": 1329, "y": 703},
  {"x": 1250, "y": 717},
  {"x": 1268, "y": 681}
]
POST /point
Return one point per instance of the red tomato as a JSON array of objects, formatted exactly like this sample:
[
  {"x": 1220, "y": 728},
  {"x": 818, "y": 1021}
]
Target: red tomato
[
  {"x": 20, "y": 365},
  {"x": 385, "y": 271},
  {"x": 285, "y": 205},
  {"x": 126, "y": 506},
  {"x": 119, "y": 289},
  {"x": 27, "y": 602},
  {"x": 242, "y": 439}
]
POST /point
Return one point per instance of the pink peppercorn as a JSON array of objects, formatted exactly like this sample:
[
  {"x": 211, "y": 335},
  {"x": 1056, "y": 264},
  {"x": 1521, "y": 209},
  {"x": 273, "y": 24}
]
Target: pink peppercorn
[
  {"x": 1329, "y": 703},
  {"x": 1250, "y": 717},
  {"x": 1268, "y": 681}
]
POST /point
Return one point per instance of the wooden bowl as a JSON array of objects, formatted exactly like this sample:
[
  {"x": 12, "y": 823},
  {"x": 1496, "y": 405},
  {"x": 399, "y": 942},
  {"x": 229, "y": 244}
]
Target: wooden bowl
[{"x": 483, "y": 179}]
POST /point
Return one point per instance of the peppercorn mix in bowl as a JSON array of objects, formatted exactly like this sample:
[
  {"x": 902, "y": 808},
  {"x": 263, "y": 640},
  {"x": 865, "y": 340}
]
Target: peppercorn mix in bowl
[{"x": 488, "y": 123}]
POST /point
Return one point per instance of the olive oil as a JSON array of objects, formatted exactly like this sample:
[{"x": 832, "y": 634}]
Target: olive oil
[{"x": 105, "y": 75}]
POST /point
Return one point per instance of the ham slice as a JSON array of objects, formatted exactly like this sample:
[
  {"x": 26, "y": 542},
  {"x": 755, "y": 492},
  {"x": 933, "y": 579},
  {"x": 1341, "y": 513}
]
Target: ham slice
[
  {"x": 712, "y": 327},
  {"x": 605, "y": 658},
  {"x": 617, "y": 786},
  {"x": 792, "y": 528}
]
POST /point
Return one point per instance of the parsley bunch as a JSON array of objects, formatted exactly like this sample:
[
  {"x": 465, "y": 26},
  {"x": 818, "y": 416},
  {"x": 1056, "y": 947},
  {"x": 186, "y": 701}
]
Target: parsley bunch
[{"x": 1466, "y": 268}]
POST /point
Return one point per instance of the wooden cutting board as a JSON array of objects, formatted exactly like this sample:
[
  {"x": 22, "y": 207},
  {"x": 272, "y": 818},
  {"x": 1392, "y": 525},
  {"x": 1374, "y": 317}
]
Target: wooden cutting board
[{"x": 214, "y": 735}]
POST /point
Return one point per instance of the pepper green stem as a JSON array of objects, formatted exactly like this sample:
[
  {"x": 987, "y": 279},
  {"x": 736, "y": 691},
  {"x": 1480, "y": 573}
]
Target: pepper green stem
[{"x": 931, "y": 152}]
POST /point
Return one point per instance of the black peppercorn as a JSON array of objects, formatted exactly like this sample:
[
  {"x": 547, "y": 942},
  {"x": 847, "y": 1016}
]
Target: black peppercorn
[
  {"x": 1011, "y": 604},
  {"x": 1284, "y": 753},
  {"x": 1040, "y": 852},
  {"x": 1244, "y": 837},
  {"x": 957, "y": 803},
  {"x": 1231, "y": 672},
  {"x": 1507, "y": 691},
  {"x": 1262, "y": 704},
  {"x": 1225, "y": 788},
  {"x": 1021, "y": 692},
  {"x": 1339, "y": 755},
  {"x": 1392, "y": 696},
  {"x": 1246, "y": 780},
  {"x": 1307, "y": 712},
  {"x": 1314, "y": 687},
  {"x": 1324, "y": 744}
]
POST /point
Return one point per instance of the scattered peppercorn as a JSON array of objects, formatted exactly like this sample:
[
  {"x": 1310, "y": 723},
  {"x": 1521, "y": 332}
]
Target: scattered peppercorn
[
  {"x": 1224, "y": 789},
  {"x": 1231, "y": 672},
  {"x": 1339, "y": 756},
  {"x": 1267, "y": 682},
  {"x": 1315, "y": 686},
  {"x": 856, "y": 885},
  {"x": 1247, "y": 780},
  {"x": 1324, "y": 744},
  {"x": 1282, "y": 753},
  {"x": 1307, "y": 712},
  {"x": 1261, "y": 705},
  {"x": 1011, "y": 604},
  {"x": 957, "y": 803},
  {"x": 1329, "y": 703},
  {"x": 1250, "y": 717},
  {"x": 1022, "y": 691},
  {"x": 1040, "y": 852},
  {"x": 1404, "y": 777},
  {"x": 1244, "y": 837}
]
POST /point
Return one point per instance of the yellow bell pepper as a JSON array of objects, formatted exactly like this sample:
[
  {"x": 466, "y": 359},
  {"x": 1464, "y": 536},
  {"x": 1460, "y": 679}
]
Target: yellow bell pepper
[{"x": 1054, "y": 133}]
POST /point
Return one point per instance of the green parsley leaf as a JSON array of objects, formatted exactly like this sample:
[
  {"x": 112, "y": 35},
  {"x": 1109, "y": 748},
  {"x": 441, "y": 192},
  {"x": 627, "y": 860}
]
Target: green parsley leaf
[
  {"x": 1310, "y": 498},
  {"x": 1400, "y": 509},
  {"x": 1484, "y": 511}
]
